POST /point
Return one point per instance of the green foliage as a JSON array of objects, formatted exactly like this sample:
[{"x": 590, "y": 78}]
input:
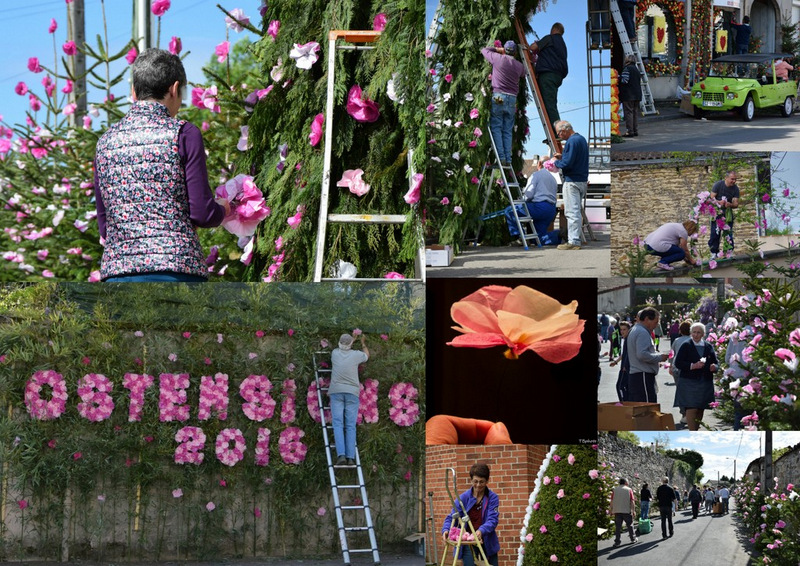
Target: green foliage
[
  {"x": 771, "y": 520},
  {"x": 77, "y": 329},
  {"x": 694, "y": 459},
  {"x": 380, "y": 149},
  {"x": 559, "y": 515},
  {"x": 637, "y": 262},
  {"x": 628, "y": 436},
  {"x": 687, "y": 470}
]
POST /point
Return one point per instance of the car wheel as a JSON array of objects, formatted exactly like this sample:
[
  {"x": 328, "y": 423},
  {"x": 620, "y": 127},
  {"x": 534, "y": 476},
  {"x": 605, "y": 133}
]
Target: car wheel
[
  {"x": 698, "y": 113},
  {"x": 748, "y": 109},
  {"x": 788, "y": 107}
]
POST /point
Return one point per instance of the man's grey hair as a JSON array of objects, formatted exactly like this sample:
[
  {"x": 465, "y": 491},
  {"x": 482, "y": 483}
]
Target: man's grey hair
[
  {"x": 345, "y": 342},
  {"x": 562, "y": 125},
  {"x": 154, "y": 71}
]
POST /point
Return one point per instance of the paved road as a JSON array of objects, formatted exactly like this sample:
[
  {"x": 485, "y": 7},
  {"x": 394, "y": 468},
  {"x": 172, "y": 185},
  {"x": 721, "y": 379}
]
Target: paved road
[
  {"x": 593, "y": 260},
  {"x": 722, "y": 131},
  {"x": 709, "y": 540},
  {"x": 607, "y": 392}
]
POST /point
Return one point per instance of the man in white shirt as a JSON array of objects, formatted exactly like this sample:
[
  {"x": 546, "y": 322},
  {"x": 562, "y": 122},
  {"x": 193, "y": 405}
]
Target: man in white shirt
[
  {"x": 622, "y": 505},
  {"x": 344, "y": 391},
  {"x": 724, "y": 495}
]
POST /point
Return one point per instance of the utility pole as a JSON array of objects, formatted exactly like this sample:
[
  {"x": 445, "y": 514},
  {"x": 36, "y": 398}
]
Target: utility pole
[
  {"x": 142, "y": 25},
  {"x": 767, "y": 484},
  {"x": 687, "y": 39},
  {"x": 77, "y": 33}
]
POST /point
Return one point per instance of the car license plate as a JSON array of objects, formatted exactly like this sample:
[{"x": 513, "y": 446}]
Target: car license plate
[{"x": 711, "y": 103}]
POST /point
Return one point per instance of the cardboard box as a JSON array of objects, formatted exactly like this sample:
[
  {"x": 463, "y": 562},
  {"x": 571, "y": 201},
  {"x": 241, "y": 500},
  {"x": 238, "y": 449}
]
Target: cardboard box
[
  {"x": 686, "y": 105},
  {"x": 628, "y": 416},
  {"x": 654, "y": 421},
  {"x": 438, "y": 256}
]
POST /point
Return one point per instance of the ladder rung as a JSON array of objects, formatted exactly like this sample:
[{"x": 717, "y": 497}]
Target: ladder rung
[
  {"x": 349, "y": 486},
  {"x": 356, "y": 529},
  {"x": 350, "y": 507},
  {"x": 368, "y": 218},
  {"x": 354, "y": 550}
]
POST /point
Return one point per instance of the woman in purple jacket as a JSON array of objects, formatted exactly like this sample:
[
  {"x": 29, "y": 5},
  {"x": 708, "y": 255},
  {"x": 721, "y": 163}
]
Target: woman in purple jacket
[{"x": 481, "y": 505}]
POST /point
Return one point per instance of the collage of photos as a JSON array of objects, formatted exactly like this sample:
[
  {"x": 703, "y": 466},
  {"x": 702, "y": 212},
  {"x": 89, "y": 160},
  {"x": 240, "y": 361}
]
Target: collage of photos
[{"x": 440, "y": 283}]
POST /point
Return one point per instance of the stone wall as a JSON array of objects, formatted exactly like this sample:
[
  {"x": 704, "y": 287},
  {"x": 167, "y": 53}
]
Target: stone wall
[
  {"x": 513, "y": 472},
  {"x": 786, "y": 468},
  {"x": 647, "y": 196}
]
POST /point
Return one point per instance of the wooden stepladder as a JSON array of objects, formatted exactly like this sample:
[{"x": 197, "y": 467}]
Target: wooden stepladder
[{"x": 356, "y": 517}]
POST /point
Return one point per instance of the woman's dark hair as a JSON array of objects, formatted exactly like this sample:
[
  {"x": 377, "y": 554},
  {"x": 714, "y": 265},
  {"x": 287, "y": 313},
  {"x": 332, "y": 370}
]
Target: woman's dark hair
[
  {"x": 481, "y": 470},
  {"x": 686, "y": 327},
  {"x": 154, "y": 71}
]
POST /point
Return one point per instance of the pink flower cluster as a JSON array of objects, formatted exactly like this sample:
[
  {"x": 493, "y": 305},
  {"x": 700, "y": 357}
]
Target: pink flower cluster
[
  {"x": 289, "y": 404},
  {"x": 137, "y": 384},
  {"x": 262, "y": 447},
  {"x": 225, "y": 454},
  {"x": 41, "y": 409},
  {"x": 247, "y": 205},
  {"x": 213, "y": 395},
  {"x": 206, "y": 98},
  {"x": 172, "y": 397},
  {"x": 259, "y": 404},
  {"x": 96, "y": 404},
  {"x": 313, "y": 404},
  {"x": 292, "y": 449},
  {"x": 404, "y": 411},
  {"x": 191, "y": 441},
  {"x": 368, "y": 402}
]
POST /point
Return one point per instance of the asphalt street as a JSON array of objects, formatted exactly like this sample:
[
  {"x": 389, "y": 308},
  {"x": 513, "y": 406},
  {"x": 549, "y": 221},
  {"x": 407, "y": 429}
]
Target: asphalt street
[
  {"x": 709, "y": 540},
  {"x": 607, "y": 392}
]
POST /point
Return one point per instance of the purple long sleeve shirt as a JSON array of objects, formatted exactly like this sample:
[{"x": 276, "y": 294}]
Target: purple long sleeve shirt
[
  {"x": 203, "y": 211},
  {"x": 506, "y": 71}
]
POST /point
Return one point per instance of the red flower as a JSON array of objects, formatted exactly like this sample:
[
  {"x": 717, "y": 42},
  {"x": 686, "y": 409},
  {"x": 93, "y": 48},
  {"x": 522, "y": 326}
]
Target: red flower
[{"x": 77, "y": 456}]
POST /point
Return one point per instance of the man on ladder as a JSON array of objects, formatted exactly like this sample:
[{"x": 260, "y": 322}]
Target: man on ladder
[
  {"x": 551, "y": 68},
  {"x": 506, "y": 73},
  {"x": 344, "y": 392}
]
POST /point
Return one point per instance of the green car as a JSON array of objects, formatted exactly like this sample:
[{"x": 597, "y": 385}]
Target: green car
[{"x": 744, "y": 82}]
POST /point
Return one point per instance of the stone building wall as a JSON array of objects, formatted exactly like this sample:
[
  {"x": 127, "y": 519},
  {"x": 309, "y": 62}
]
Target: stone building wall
[
  {"x": 786, "y": 468},
  {"x": 647, "y": 196}
]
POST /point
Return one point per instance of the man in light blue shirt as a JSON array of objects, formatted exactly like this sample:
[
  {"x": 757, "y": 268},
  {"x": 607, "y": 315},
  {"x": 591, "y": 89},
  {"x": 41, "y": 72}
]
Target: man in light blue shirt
[
  {"x": 643, "y": 358},
  {"x": 574, "y": 164}
]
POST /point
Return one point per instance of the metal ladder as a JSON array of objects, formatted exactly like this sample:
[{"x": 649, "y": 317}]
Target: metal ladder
[
  {"x": 599, "y": 70},
  {"x": 320, "y": 373},
  {"x": 352, "y": 38},
  {"x": 464, "y": 522},
  {"x": 647, "y": 104},
  {"x": 508, "y": 180},
  {"x": 433, "y": 31},
  {"x": 533, "y": 85}
]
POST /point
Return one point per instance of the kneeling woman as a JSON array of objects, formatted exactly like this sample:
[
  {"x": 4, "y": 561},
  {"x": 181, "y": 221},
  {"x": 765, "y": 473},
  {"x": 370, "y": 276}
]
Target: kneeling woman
[
  {"x": 482, "y": 506},
  {"x": 670, "y": 242},
  {"x": 697, "y": 363}
]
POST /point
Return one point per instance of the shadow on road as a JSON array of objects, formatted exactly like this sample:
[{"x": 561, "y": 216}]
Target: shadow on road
[{"x": 627, "y": 549}]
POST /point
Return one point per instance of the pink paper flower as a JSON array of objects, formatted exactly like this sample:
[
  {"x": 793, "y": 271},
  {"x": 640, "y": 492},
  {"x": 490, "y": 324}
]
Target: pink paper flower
[
  {"x": 352, "y": 180},
  {"x": 321, "y": 511},
  {"x": 159, "y": 7},
  {"x": 522, "y": 319},
  {"x": 413, "y": 194},
  {"x": 53, "y": 26},
  {"x": 210, "y": 506},
  {"x": 448, "y": 77},
  {"x": 257, "y": 512},
  {"x": 474, "y": 113},
  {"x": 316, "y": 129},
  {"x": 42, "y": 409},
  {"x": 237, "y": 21},
  {"x": 21, "y": 88},
  {"x": 248, "y": 207},
  {"x": 131, "y": 56},
  {"x": 543, "y": 529},
  {"x": 273, "y": 28},
  {"x": 70, "y": 48},
  {"x": 404, "y": 411},
  {"x": 175, "y": 45},
  {"x": 305, "y": 55},
  {"x": 379, "y": 22},
  {"x": 294, "y": 221},
  {"x": 394, "y": 275},
  {"x": 457, "y": 210},
  {"x": 23, "y": 504},
  {"x": 361, "y": 108},
  {"x": 34, "y": 66},
  {"x": 176, "y": 493},
  {"x": 222, "y": 50}
]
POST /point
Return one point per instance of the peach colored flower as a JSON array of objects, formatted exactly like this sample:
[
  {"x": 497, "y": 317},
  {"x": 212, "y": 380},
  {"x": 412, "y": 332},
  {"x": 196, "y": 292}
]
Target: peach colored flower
[{"x": 522, "y": 319}]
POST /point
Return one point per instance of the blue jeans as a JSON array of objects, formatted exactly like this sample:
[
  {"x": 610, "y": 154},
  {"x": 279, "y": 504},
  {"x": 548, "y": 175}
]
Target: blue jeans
[
  {"x": 169, "y": 276},
  {"x": 645, "y": 513},
  {"x": 673, "y": 254},
  {"x": 542, "y": 213},
  {"x": 573, "y": 201},
  {"x": 344, "y": 412},
  {"x": 501, "y": 122}
]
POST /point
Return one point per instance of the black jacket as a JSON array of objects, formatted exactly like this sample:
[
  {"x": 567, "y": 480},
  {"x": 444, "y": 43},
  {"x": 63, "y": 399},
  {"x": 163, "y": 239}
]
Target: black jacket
[
  {"x": 630, "y": 84},
  {"x": 665, "y": 495}
]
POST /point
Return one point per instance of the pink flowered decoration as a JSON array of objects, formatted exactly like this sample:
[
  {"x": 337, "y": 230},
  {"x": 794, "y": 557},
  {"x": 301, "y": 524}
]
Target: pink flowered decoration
[
  {"x": 316, "y": 130},
  {"x": 247, "y": 203},
  {"x": 262, "y": 447},
  {"x": 351, "y": 179},
  {"x": 238, "y": 20},
  {"x": 96, "y": 404},
  {"x": 291, "y": 448},
  {"x": 213, "y": 396},
  {"x": 41, "y": 409},
  {"x": 159, "y": 7},
  {"x": 259, "y": 405},
  {"x": 273, "y": 28},
  {"x": 368, "y": 402},
  {"x": 172, "y": 397},
  {"x": 133, "y": 53},
  {"x": 404, "y": 411},
  {"x": 175, "y": 45},
  {"x": 225, "y": 453},
  {"x": 413, "y": 194},
  {"x": 312, "y": 403},
  {"x": 305, "y": 55},
  {"x": 289, "y": 404},
  {"x": 222, "y": 50},
  {"x": 379, "y": 22},
  {"x": 361, "y": 108},
  {"x": 191, "y": 441},
  {"x": 294, "y": 221}
]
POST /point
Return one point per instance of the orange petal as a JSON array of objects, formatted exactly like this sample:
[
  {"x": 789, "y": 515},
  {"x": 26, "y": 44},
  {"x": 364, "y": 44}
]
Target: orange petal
[
  {"x": 535, "y": 304},
  {"x": 474, "y": 317},
  {"x": 561, "y": 348},
  {"x": 491, "y": 296},
  {"x": 521, "y": 329},
  {"x": 478, "y": 340}
]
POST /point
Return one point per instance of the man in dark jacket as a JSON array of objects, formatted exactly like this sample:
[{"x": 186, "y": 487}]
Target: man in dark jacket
[
  {"x": 743, "y": 31},
  {"x": 551, "y": 68},
  {"x": 630, "y": 94},
  {"x": 665, "y": 496},
  {"x": 695, "y": 498}
]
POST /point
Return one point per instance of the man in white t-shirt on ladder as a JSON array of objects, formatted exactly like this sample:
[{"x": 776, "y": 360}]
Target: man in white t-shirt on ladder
[{"x": 344, "y": 392}]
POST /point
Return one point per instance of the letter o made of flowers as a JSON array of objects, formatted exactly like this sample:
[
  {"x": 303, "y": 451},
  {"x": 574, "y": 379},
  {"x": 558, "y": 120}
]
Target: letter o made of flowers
[
  {"x": 94, "y": 389},
  {"x": 191, "y": 442},
  {"x": 41, "y": 409},
  {"x": 225, "y": 453},
  {"x": 404, "y": 411}
]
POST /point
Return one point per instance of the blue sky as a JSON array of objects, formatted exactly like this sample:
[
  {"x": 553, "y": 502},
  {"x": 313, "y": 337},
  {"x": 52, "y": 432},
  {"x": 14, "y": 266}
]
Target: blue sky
[
  {"x": 720, "y": 448},
  {"x": 573, "y": 96},
  {"x": 24, "y": 33}
]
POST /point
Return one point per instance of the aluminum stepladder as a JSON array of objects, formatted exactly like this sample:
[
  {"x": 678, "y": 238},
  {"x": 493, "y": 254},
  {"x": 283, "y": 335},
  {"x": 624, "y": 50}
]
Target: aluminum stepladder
[
  {"x": 599, "y": 70},
  {"x": 647, "y": 105},
  {"x": 533, "y": 85},
  {"x": 354, "y": 39},
  {"x": 320, "y": 373},
  {"x": 508, "y": 180},
  {"x": 465, "y": 525}
]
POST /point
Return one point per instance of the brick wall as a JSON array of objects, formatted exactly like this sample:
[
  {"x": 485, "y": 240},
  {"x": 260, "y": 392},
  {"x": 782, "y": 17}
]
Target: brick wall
[
  {"x": 513, "y": 472},
  {"x": 645, "y": 197}
]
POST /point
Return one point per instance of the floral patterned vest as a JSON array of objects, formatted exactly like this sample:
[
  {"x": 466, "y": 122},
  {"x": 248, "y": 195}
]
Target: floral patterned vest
[{"x": 143, "y": 186}]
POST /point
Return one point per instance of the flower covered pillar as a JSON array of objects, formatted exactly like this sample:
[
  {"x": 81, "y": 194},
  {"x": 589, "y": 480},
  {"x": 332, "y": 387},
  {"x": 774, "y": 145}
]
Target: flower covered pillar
[{"x": 374, "y": 126}]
